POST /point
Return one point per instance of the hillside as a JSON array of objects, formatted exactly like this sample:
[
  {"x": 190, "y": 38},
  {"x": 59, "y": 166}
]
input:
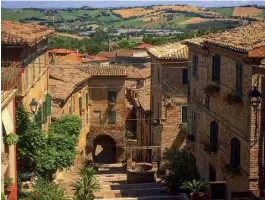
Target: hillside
[{"x": 177, "y": 17}]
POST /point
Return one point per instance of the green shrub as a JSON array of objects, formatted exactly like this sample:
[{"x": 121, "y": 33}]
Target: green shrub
[{"x": 11, "y": 139}]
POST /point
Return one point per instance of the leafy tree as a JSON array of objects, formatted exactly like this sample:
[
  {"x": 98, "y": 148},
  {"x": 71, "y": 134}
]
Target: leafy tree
[{"x": 86, "y": 184}]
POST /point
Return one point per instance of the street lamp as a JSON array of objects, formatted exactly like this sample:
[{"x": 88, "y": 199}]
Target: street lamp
[
  {"x": 254, "y": 97},
  {"x": 33, "y": 106}
]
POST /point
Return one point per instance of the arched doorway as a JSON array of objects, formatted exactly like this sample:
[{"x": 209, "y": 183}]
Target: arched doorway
[{"x": 104, "y": 149}]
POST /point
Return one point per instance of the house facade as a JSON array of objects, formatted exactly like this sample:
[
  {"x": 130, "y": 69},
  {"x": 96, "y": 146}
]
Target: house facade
[
  {"x": 97, "y": 95},
  {"x": 20, "y": 44},
  {"x": 169, "y": 83},
  {"x": 228, "y": 130}
]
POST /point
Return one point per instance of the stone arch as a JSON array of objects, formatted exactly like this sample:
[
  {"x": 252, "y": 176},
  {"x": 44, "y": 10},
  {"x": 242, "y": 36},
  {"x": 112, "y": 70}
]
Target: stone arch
[{"x": 104, "y": 149}]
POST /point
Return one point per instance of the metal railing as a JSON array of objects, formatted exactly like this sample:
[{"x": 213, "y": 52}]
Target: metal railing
[{"x": 10, "y": 76}]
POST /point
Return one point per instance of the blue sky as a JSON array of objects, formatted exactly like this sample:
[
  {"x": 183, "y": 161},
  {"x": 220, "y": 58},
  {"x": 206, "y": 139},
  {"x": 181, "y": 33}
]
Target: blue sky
[{"x": 102, "y": 4}]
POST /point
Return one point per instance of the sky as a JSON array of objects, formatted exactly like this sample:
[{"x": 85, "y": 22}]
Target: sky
[{"x": 122, "y": 3}]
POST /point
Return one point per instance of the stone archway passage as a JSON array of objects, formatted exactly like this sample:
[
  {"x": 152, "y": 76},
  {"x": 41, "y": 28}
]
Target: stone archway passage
[{"x": 104, "y": 149}]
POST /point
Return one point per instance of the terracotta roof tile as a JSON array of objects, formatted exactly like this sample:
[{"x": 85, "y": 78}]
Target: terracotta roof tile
[
  {"x": 138, "y": 72},
  {"x": 80, "y": 58},
  {"x": 241, "y": 39},
  {"x": 143, "y": 46},
  {"x": 111, "y": 70},
  {"x": 176, "y": 51},
  {"x": 195, "y": 41},
  {"x": 107, "y": 54},
  {"x": 61, "y": 51},
  {"x": 14, "y": 33}
]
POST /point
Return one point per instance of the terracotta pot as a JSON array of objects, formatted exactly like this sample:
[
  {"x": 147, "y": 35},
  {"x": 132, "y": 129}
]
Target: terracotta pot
[
  {"x": 8, "y": 188},
  {"x": 196, "y": 196},
  {"x": 172, "y": 191}
]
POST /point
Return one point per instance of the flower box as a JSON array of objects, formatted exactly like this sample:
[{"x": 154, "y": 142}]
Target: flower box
[
  {"x": 232, "y": 170},
  {"x": 233, "y": 98},
  {"x": 210, "y": 148}
]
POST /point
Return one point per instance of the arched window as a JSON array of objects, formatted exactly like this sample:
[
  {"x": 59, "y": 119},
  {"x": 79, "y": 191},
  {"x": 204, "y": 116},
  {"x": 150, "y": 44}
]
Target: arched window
[
  {"x": 235, "y": 152},
  {"x": 216, "y": 68},
  {"x": 214, "y": 133}
]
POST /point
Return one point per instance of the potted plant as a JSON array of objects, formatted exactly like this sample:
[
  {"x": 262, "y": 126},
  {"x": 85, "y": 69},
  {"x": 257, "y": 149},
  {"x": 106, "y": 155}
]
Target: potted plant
[
  {"x": 195, "y": 187},
  {"x": 172, "y": 183},
  {"x": 233, "y": 98},
  {"x": 11, "y": 139},
  {"x": 8, "y": 182},
  {"x": 232, "y": 170},
  {"x": 210, "y": 148},
  {"x": 183, "y": 127},
  {"x": 211, "y": 89}
]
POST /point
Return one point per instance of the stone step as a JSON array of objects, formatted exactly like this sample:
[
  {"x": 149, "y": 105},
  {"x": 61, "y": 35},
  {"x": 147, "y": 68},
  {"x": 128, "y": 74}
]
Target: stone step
[
  {"x": 166, "y": 197},
  {"x": 131, "y": 193},
  {"x": 116, "y": 186}
]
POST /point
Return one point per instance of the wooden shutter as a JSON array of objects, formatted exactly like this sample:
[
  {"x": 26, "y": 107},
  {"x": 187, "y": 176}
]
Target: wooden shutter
[
  {"x": 38, "y": 118},
  {"x": 216, "y": 68},
  {"x": 184, "y": 113},
  {"x": 80, "y": 106},
  {"x": 235, "y": 152},
  {"x": 239, "y": 78},
  {"x": 48, "y": 102},
  {"x": 184, "y": 76},
  {"x": 214, "y": 133}
]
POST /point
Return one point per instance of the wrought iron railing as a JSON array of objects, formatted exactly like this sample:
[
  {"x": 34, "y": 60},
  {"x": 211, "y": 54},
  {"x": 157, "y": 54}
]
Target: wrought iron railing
[{"x": 10, "y": 76}]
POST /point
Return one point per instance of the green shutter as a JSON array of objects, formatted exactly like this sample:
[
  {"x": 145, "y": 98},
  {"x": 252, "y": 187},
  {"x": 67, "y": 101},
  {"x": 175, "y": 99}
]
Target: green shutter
[
  {"x": 48, "y": 102},
  {"x": 44, "y": 118},
  {"x": 112, "y": 116},
  {"x": 38, "y": 118},
  {"x": 112, "y": 96}
]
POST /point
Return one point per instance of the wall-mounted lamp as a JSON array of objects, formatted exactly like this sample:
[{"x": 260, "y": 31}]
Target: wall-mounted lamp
[
  {"x": 33, "y": 106},
  {"x": 254, "y": 97}
]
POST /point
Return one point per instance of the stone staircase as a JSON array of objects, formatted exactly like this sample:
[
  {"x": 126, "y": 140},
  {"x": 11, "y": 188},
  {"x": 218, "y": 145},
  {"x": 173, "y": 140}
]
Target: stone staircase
[{"x": 113, "y": 182}]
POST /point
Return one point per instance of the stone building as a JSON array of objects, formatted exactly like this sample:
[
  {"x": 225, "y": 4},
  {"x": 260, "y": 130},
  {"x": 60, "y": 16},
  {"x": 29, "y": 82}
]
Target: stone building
[
  {"x": 97, "y": 95},
  {"x": 228, "y": 131},
  {"x": 29, "y": 48},
  {"x": 169, "y": 83}
]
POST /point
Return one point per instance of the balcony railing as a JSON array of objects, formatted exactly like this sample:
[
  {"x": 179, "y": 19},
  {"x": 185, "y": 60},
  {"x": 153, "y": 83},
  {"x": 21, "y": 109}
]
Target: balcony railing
[{"x": 10, "y": 76}]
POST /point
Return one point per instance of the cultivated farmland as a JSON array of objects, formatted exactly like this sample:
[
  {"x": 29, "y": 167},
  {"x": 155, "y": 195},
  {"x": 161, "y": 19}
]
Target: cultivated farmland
[{"x": 247, "y": 11}]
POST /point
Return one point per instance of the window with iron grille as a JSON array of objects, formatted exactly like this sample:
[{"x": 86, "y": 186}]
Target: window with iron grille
[
  {"x": 112, "y": 117},
  {"x": 239, "y": 78},
  {"x": 112, "y": 96},
  {"x": 235, "y": 152},
  {"x": 216, "y": 68},
  {"x": 184, "y": 113},
  {"x": 195, "y": 62},
  {"x": 214, "y": 133},
  {"x": 184, "y": 76}
]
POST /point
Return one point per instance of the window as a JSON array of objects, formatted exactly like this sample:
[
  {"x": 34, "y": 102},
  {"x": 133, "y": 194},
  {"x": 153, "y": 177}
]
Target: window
[
  {"x": 184, "y": 113},
  {"x": 195, "y": 65},
  {"x": 70, "y": 110},
  {"x": 33, "y": 71},
  {"x": 48, "y": 100},
  {"x": 184, "y": 76},
  {"x": 207, "y": 101},
  {"x": 39, "y": 61},
  {"x": 214, "y": 133},
  {"x": 216, "y": 68},
  {"x": 112, "y": 117},
  {"x": 235, "y": 152},
  {"x": 112, "y": 96},
  {"x": 87, "y": 98},
  {"x": 80, "y": 106},
  {"x": 239, "y": 78},
  {"x": 26, "y": 78},
  {"x": 194, "y": 122}
]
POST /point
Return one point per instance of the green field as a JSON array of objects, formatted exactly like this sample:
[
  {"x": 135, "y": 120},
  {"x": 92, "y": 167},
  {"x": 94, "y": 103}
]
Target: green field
[
  {"x": 133, "y": 23},
  {"x": 223, "y": 11},
  {"x": 181, "y": 19},
  {"x": 262, "y": 14},
  {"x": 16, "y": 15}
]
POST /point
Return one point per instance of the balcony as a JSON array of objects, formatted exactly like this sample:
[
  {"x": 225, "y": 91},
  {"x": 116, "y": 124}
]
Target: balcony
[{"x": 10, "y": 77}]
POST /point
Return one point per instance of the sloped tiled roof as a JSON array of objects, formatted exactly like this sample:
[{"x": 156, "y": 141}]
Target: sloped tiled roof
[
  {"x": 175, "y": 51},
  {"x": 107, "y": 54},
  {"x": 195, "y": 41},
  {"x": 143, "y": 97},
  {"x": 241, "y": 39},
  {"x": 14, "y": 33},
  {"x": 126, "y": 52},
  {"x": 61, "y": 51},
  {"x": 80, "y": 58},
  {"x": 111, "y": 70},
  {"x": 143, "y": 46}
]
